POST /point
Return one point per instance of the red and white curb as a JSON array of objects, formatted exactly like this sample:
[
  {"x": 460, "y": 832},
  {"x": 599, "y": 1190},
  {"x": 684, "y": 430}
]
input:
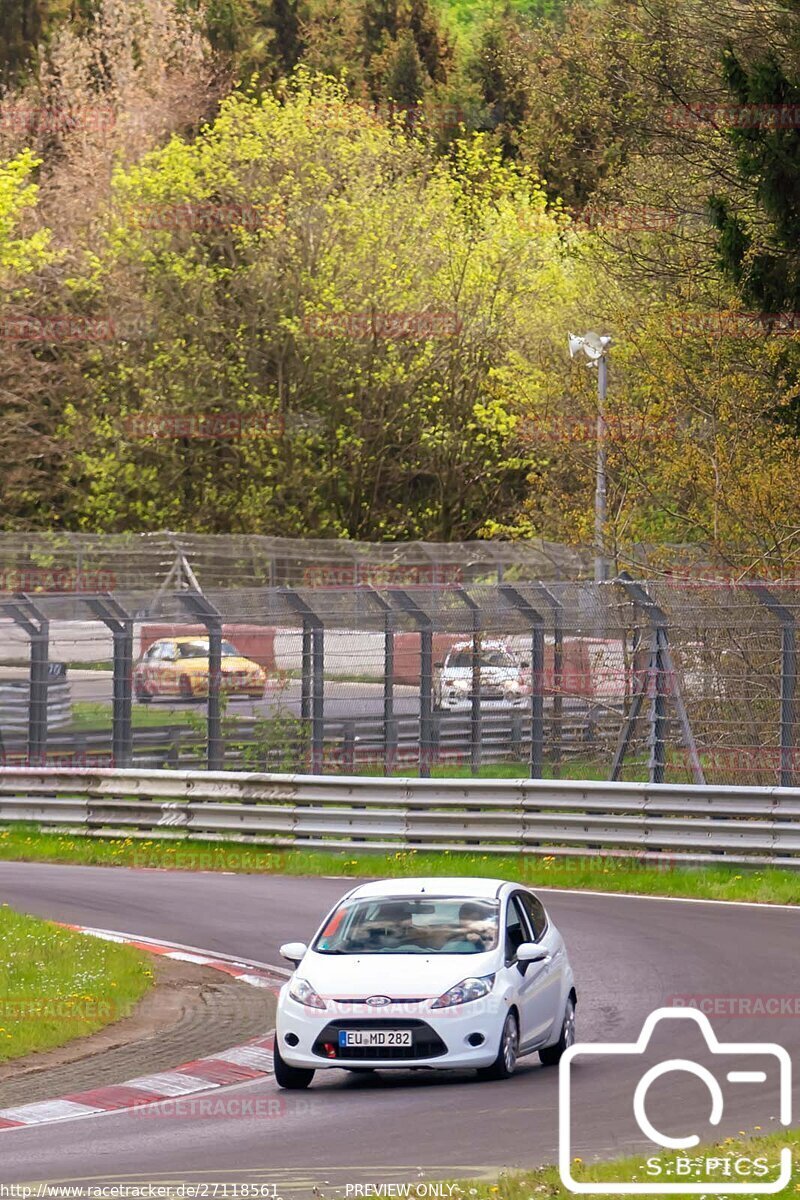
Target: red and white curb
[{"x": 239, "y": 1064}]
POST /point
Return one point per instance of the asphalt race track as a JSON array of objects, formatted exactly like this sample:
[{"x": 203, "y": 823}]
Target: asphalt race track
[{"x": 630, "y": 956}]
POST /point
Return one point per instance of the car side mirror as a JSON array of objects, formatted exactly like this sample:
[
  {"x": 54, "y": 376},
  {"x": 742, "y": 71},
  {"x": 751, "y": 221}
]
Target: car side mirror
[
  {"x": 529, "y": 952},
  {"x": 439, "y": 666},
  {"x": 293, "y": 951}
]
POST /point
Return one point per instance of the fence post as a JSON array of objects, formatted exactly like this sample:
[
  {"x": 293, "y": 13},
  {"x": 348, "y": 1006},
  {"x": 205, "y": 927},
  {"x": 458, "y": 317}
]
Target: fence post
[
  {"x": 536, "y": 622},
  {"x": 389, "y": 723},
  {"x": 788, "y": 679},
  {"x": 205, "y": 612},
  {"x": 558, "y": 675},
  {"x": 425, "y": 626},
  {"x": 305, "y": 672},
  {"x": 660, "y": 666},
  {"x": 313, "y": 686},
  {"x": 27, "y": 616},
  {"x": 115, "y": 618},
  {"x": 475, "y": 729}
]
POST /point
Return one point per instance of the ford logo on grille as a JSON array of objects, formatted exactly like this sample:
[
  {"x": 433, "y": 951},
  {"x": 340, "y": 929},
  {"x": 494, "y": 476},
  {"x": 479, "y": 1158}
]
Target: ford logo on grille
[{"x": 378, "y": 1001}]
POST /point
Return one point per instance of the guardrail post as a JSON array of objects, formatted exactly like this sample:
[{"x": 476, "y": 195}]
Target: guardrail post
[
  {"x": 349, "y": 746},
  {"x": 205, "y": 612},
  {"x": 115, "y": 618},
  {"x": 313, "y": 686},
  {"x": 536, "y": 622},
  {"x": 425, "y": 627},
  {"x": 788, "y": 679},
  {"x": 24, "y": 613}
]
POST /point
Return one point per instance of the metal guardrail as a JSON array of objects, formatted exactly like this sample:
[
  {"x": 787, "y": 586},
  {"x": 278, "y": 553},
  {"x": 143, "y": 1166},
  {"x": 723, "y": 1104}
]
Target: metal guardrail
[
  {"x": 678, "y": 823},
  {"x": 347, "y": 742},
  {"x": 15, "y": 700}
]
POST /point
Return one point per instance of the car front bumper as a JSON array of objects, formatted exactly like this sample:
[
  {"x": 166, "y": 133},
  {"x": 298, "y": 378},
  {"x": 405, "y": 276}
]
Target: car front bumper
[{"x": 440, "y": 1037}]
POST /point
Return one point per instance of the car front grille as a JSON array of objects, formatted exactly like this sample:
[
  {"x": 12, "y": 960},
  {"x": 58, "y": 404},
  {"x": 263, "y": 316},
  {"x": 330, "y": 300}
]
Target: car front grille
[{"x": 425, "y": 1042}]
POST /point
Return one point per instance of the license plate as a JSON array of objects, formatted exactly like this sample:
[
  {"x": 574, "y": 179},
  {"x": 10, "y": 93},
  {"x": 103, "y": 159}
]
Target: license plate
[{"x": 374, "y": 1037}]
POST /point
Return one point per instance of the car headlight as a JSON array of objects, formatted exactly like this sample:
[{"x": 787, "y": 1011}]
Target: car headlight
[
  {"x": 472, "y": 988},
  {"x": 458, "y": 685},
  {"x": 302, "y": 991}
]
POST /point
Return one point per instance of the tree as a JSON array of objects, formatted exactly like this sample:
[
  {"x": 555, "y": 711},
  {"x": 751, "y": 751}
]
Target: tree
[{"x": 376, "y": 314}]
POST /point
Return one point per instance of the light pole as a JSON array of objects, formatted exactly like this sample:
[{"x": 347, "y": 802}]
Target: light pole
[{"x": 594, "y": 347}]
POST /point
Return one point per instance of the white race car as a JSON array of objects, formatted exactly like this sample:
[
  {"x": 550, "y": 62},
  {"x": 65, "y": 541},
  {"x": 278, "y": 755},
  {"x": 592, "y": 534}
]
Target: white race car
[
  {"x": 504, "y": 679},
  {"x": 435, "y": 973}
]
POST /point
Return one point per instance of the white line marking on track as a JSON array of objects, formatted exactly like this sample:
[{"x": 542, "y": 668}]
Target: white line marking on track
[
  {"x": 244, "y": 1056},
  {"x": 169, "y": 1083},
  {"x": 48, "y": 1110},
  {"x": 670, "y": 899}
]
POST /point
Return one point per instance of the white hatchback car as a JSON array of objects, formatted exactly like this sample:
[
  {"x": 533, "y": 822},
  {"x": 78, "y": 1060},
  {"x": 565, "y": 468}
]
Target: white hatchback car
[
  {"x": 434, "y": 973},
  {"x": 504, "y": 679}
]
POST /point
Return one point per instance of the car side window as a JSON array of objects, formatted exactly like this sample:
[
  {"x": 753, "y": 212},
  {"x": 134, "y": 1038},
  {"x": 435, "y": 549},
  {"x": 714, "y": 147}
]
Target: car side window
[
  {"x": 515, "y": 932},
  {"x": 534, "y": 911}
]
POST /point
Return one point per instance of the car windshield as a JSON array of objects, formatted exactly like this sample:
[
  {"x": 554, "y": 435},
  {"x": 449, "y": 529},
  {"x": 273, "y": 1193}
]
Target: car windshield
[
  {"x": 462, "y": 659},
  {"x": 199, "y": 649},
  {"x": 413, "y": 925}
]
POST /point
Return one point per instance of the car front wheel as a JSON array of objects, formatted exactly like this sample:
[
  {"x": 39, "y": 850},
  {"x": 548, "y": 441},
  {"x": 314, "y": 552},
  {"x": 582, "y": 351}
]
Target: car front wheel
[
  {"x": 551, "y": 1055},
  {"x": 505, "y": 1064},
  {"x": 291, "y": 1078}
]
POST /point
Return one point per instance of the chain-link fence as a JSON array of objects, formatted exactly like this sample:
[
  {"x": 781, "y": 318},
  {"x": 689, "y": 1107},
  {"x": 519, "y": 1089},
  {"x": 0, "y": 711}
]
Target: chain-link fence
[{"x": 625, "y": 680}]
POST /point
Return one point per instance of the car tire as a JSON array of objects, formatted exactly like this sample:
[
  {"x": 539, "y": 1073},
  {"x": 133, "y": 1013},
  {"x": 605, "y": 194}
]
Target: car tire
[
  {"x": 142, "y": 694},
  {"x": 185, "y": 688},
  {"x": 551, "y": 1055},
  {"x": 505, "y": 1064},
  {"x": 291, "y": 1078}
]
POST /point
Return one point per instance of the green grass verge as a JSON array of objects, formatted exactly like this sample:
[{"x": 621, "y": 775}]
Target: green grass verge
[
  {"x": 94, "y": 714},
  {"x": 767, "y": 886},
  {"x": 546, "y": 1182},
  {"x": 56, "y": 985}
]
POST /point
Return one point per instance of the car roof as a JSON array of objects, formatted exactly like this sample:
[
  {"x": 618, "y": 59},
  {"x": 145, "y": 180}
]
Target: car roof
[{"x": 456, "y": 885}]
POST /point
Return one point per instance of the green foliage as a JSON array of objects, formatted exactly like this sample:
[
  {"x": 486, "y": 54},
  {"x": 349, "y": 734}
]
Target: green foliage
[
  {"x": 766, "y": 270},
  {"x": 376, "y": 428},
  {"x": 20, "y": 252}
]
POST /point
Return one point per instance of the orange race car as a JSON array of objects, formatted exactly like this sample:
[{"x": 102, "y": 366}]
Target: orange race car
[{"x": 178, "y": 666}]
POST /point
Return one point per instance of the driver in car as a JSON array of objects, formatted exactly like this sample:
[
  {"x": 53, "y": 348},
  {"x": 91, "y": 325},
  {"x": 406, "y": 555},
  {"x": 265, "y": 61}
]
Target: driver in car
[{"x": 477, "y": 932}]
